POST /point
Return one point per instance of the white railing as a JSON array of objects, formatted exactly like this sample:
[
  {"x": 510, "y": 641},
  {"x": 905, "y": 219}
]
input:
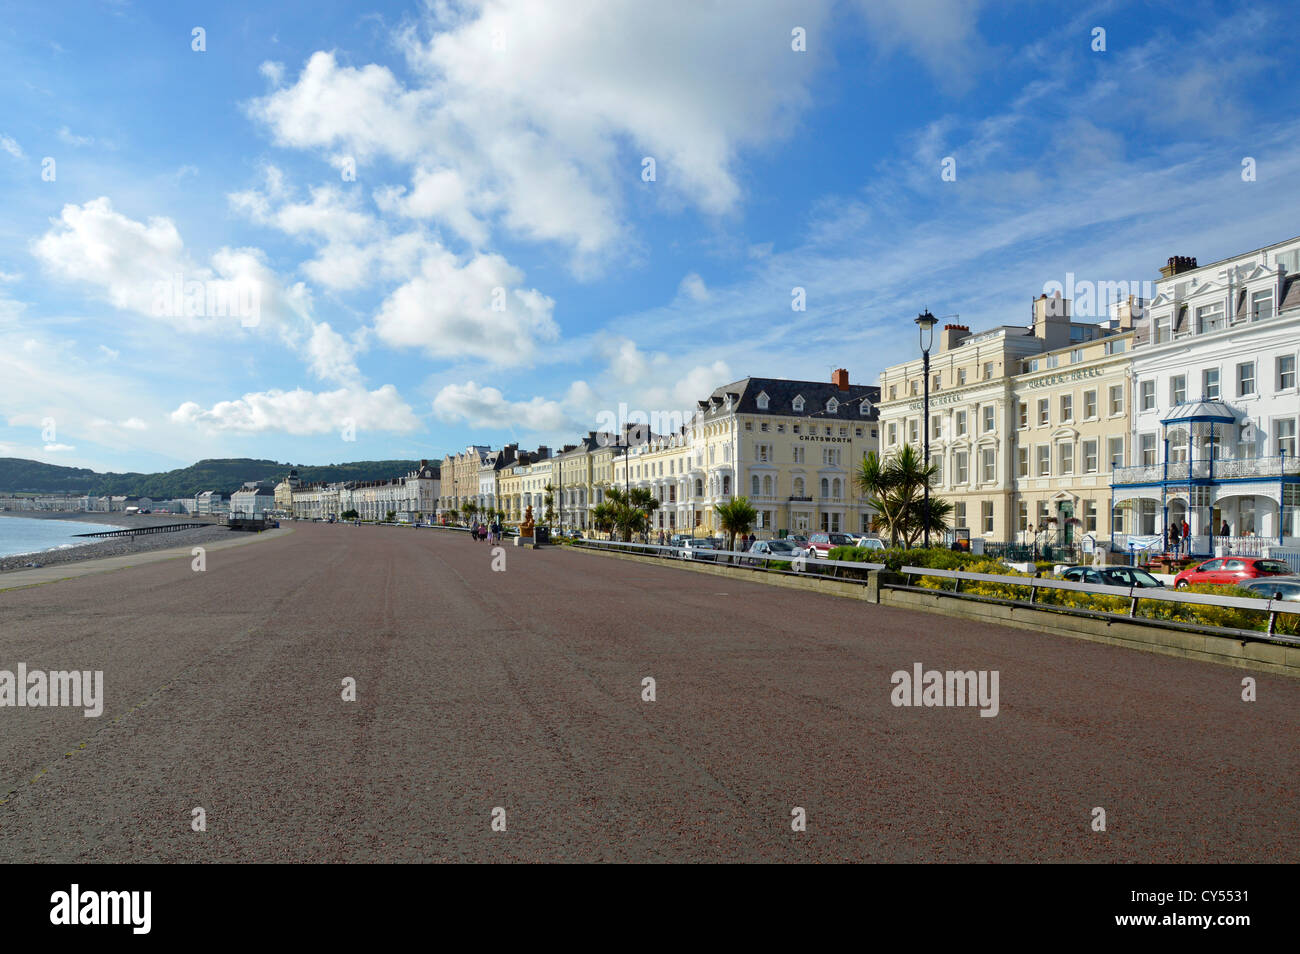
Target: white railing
[
  {"x": 1133, "y": 594},
  {"x": 734, "y": 557}
]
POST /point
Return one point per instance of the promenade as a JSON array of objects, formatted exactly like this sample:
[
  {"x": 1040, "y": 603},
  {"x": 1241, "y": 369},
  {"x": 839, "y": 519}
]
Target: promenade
[{"x": 478, "y": 689}]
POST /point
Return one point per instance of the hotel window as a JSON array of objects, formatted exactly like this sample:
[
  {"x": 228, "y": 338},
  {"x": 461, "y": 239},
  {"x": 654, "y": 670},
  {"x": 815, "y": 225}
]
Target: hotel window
[
  {"x": 936, "y": 426},
  {"x": 1178, "y": 389},
  {"x": 1022, "y": 462},
  {"x": 1117, "y": 520},
  {"x": 1245, "y": 378},
  {"x": 1066, "y": 454},
  {"x": 763, "y": 427},
  {"x": 988, "y": 370},
  {"x": 1115, "y": 347},
  {"x": 1285, "y": 371},
  {"x": 959, "y": 514},
  {"x": 936, "y": 461},
  {"x": 1033, "y": 365},
  {"x": 1209, "y": 318},
  {"x": 893, "y": 437},
  {"x": 1067, "y": 407},
  {"x": 1090, "y": 516},
  {"x": 935, "y": 385},
  {"x": 780, "y": 428},
  {"x": 1146, "y": 395},
  {"x": 796, "y": 428},
  {"x": 1044, "y": 460},
  {"x": 988, "y": 465},
  {"x": 1117, "y": 399},
  {"x": 1245, "y": 440},
  {"x": 1053, "y": 360},
  {"x": 961, "y": 376},
  {"x": 1285, "y": 428},
  {"x": 988, "y": 412},
  {"x": 893, "y": 392},
  {"x": 1090, "y": 457},
  {"x": 1089, "y": 405},
  {"x": 911, "y": 430},
  {"x": 960, "y": 423},
  {"x": 912, "y": 387},
  {"x": 1022, "y": 413},
  {"x": 764, "y": 453},
  {"x": 1147, "y": 450},
  {"x": 1162, "y": 329},
  {"x": 986, "y": 513},
  {"x": 960, "y": 467},
  {"x": 1076, "y": 356},
  {"x": 799, "y": 451},
  {"x": 754, "y": 486},
  {"x": 1210, "y": 384},
  {"x": 1261, "y": 305},
  {"x": 857, "y": 432},
  {"x": 1022, "y": 516},
  {"x": 1044, "y": 411},
  {"x": 844, "y": 432},
  {"x": 749, "y": 425}
]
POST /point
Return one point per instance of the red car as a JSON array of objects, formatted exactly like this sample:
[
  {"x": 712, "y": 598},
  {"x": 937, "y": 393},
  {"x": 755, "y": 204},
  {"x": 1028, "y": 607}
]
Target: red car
[
  {"x": 1229, "y": 570},
  {"x": 821, "y": 544}
]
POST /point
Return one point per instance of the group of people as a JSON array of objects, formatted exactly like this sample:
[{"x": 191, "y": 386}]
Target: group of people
[
  {"x": 1178, "y": 535},
  {"x": 490, "y": 533}
]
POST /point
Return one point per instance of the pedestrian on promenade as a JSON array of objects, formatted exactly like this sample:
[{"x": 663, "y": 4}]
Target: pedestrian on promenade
[
  {"x": 1174, "y": 538},
  {"x": 1225, "y": 530}
]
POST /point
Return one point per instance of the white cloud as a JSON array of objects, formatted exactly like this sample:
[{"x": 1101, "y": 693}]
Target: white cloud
[
  {"x": 539, "y": 122},
  {"x": 302, "y": 412},
  {"x": 332, "y": 357},
  {"x": 487, "y": 407},
  {"x": 693, "y": 287},
  {"x": 10, "y": 145},
  {"x": 67, "y": 136},
  {"x": 134, "y": 424},
  {"x": 451, "y": 310},
  {"x": 59, "y": 448}
]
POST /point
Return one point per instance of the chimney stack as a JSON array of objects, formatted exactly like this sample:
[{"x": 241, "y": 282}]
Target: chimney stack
[
  {"x": 1177, "y": 265},
  {"x": 952, "y": 336},
  {"x": 840, "y": 379}
]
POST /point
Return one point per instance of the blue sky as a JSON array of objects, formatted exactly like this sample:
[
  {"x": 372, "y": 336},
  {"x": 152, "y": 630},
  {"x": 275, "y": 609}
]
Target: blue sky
[{"x": 435, "y": 219}]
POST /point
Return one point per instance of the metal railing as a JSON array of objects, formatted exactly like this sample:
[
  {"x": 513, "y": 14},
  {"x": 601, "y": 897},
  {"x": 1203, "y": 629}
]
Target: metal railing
[
  {"x": 743, "y": 558},
  {"x": 1134, "y": 594}
]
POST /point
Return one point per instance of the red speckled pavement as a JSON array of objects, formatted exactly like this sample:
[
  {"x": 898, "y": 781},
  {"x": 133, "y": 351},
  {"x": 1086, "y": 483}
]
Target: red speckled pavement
[{"x": 522, "y": 690}]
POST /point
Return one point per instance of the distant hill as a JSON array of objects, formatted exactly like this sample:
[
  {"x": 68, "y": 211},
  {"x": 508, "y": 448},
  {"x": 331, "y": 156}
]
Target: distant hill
[{"x": 225, "y": 475}]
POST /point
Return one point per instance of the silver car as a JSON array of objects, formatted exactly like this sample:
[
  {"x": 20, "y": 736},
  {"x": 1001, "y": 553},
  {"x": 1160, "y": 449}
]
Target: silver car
[{"x": 1286, "y": 588}]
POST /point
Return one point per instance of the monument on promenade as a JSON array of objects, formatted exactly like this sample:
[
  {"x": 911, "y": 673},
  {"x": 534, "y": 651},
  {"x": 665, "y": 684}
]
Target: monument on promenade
[{"x": 526, "y": 536}]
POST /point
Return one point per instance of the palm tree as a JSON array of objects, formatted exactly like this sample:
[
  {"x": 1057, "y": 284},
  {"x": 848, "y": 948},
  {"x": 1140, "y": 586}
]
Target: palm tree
[
  {"x": 630, "y": 510},
  {"x": 895, "y": 489},
  {"x": 469, "y": 508},
  {"x": 735, "y": 516},
  {"x": 549, "y": 490},
  {"x": 602, "y": 518}
]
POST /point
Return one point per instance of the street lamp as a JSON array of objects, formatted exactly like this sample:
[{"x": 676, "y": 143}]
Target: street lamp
[{"x": 925, "y": 323}]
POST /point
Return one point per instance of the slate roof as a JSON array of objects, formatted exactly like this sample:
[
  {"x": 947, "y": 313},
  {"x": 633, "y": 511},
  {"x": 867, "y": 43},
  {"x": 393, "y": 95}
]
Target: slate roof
[{"x": 781, "y": 394}]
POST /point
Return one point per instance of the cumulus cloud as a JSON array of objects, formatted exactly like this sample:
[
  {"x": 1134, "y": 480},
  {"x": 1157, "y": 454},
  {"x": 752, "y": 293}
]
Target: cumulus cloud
[
  {"x": 539, "y": 122},
  {"x": 10, "y": 145},
  {"x": 475, "y": 309},
  {"x": 300, "y": 412},
  {"x": 487, "y": 407}
]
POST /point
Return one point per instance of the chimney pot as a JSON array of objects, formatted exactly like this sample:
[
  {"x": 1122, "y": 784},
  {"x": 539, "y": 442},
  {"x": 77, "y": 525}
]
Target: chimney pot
[{"x": 840, "y": 379}]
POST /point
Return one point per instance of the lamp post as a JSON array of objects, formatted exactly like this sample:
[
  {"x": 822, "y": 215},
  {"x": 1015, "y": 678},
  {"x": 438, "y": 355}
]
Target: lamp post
[{"x": 925, "y": 324}]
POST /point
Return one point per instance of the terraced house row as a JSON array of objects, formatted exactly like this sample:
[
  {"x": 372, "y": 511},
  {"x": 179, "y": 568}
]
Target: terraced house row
[
  {"x": 1178, "y": 410},
  {"x": 790, "y": 446}
]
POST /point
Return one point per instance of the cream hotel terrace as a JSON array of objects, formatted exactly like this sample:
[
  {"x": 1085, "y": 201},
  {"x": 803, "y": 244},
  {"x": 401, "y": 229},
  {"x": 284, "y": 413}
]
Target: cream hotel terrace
[{"x": 1026, "y": 422}]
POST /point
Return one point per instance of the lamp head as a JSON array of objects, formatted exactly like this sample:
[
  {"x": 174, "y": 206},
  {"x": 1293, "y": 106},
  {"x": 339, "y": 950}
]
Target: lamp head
[{"x": 925, "y": 323}]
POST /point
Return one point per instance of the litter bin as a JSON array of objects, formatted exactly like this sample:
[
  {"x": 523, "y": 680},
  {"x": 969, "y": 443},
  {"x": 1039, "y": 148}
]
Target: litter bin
[{"x": 542, "y": 534}]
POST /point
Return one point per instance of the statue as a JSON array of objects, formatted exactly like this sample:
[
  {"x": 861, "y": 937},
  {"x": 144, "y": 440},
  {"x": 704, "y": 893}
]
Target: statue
[{"x": 526, "y": 528}]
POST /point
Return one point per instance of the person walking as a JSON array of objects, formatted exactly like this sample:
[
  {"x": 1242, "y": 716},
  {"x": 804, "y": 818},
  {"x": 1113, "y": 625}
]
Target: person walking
[{"x": 1174, "y": 538}]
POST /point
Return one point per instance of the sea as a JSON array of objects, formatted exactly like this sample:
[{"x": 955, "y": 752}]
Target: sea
[{"x": 22, "y": 535}]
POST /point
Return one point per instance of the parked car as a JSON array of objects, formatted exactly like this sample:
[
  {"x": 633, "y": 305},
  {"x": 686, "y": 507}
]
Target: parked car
[
  {"x": 1231, "y": 571},
  {"x": 821, "y": 544},
  {"x": 1129, "y": 576},
  {"x": 775, "y": 549},
  {"x": 1276, "y": 587},
  {"x": 699, "y": 548},
  {"x": 870, "y": 542}
]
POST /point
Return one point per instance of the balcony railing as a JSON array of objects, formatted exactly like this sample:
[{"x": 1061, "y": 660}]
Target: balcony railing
[{"x": 1224, "y": 468}]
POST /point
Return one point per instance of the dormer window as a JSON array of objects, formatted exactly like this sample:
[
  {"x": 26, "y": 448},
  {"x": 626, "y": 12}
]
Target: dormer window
[
  {"x": 832, "y": 406},
  {"x": 762, "y": 401},
  {"x": 864, "y": 408},
  {"x": 798, "y": 404}
]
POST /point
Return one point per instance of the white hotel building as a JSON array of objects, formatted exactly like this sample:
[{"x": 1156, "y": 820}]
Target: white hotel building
[{"x": 1215, "y": 403}]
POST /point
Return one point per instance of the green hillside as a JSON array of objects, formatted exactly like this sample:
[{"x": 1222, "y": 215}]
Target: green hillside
[{"x": 225, "y": 475}]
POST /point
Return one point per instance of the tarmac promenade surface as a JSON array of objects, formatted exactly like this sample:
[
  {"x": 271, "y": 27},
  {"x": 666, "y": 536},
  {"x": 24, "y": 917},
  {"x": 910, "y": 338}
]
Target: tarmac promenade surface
[{"x": 522, "y": 689}]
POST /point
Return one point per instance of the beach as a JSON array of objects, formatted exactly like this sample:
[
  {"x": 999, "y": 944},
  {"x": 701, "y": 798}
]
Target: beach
[{"x": 111, "y": 546}]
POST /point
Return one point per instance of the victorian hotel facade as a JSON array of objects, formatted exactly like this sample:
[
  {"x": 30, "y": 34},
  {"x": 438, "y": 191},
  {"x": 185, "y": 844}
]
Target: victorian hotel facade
[
  {"x": 791, "y": 447},
  {"x": 1217, "y": 407},
  {"x": 1025, "y": 422}
]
